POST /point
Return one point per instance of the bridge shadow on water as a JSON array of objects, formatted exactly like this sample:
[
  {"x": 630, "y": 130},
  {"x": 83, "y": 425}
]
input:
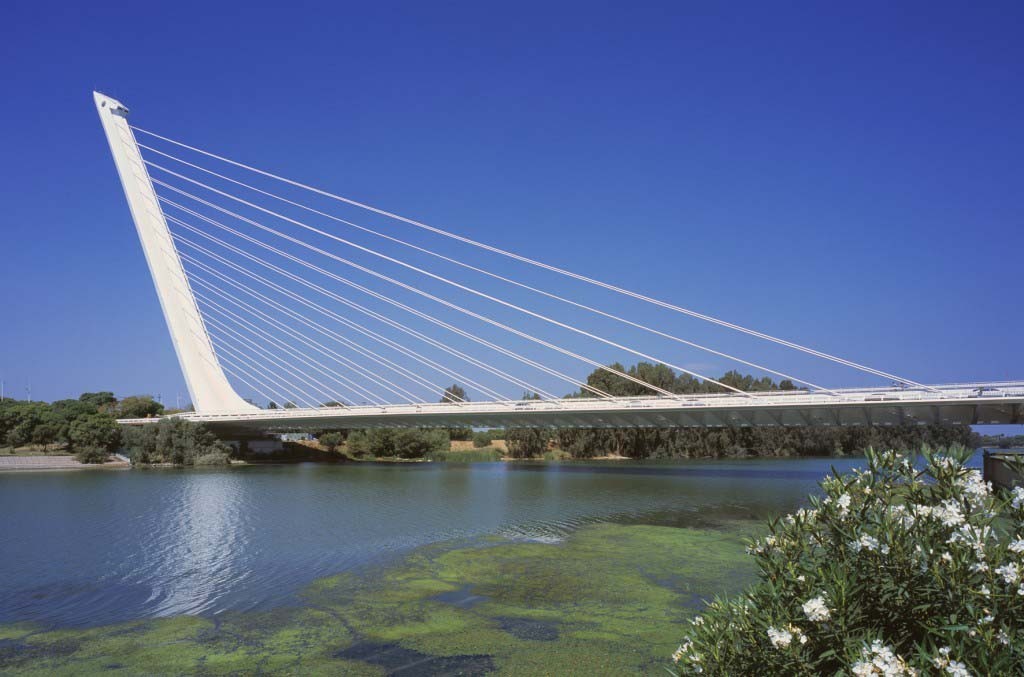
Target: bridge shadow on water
[{"x": 638, "y": 468}]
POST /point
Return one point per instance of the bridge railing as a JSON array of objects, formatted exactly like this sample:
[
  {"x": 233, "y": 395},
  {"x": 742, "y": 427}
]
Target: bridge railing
[{"x": 976, "y": 393}]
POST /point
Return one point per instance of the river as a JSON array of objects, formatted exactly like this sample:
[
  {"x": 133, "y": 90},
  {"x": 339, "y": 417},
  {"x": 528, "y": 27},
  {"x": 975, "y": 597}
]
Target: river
[{"x": 508, "y": 557}]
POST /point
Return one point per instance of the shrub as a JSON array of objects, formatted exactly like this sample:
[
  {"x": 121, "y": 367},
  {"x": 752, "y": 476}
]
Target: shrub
[
  {"x": 213, "y": 458},
  {"x": 485, "y": 455},
  {"x": 331, "y": 440},
  {"x": 481, "y": 440},
  {"x": 92, "y": 455},
  {"x": 526, "y": 442},
  {"x": 171, "y": 440},
  {"x": 402, "y": 442},
  {"x": 412, "y": 443},
  {"x": 898, "y": 568}
]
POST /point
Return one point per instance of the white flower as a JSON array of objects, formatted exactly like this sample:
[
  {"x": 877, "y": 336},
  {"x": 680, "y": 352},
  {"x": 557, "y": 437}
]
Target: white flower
[
  {"x": 866, "y": 542},
  {"x": 1010, "y": 572},
  {"x": 905, "y": 516},
  {"x": 921, "y": 510},
  {"x": 805, "y": 514},
  {"x": 1017, "y": 546},
  {"x": 948, "y": 513},
  {"x": 985, "y": 591},
  {"x": 816, "y": 609},
  {"x": 762, "y": 546},
  {"x": 686, "y": 652},
  {"x": 780, "y": 639},
  {"x": 946, "y": 557},
  {"x": 844, "y": 505},
  {"x": 879, "y": 659},
  {"x": 957, "y": 669},
  {"x": 1003, "y": 638},
  {"x": 950, "y": 667},
  {"x": 1018, "y": 498},
  {"x": 979, "y": 567},
  {"x": 974, "y": 489}
]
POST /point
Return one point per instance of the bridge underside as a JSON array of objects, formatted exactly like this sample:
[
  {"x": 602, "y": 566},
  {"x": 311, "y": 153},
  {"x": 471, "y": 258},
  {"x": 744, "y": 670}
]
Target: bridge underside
[{"x": 653, "y": 412}]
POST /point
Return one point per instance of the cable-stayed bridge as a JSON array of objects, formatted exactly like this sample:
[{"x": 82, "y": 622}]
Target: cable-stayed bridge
[{"x": 271, "y": 288}]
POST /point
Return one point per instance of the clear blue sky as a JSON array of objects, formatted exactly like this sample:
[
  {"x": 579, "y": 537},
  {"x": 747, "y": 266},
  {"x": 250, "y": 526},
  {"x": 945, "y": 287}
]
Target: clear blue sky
[{"x": 848, "y": 177}]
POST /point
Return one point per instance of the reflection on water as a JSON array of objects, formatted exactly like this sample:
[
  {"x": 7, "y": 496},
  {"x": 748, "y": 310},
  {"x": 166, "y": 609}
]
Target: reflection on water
[{"x": 97, "y": 547}]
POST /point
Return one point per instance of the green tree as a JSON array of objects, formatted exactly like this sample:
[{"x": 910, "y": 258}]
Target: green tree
[
  {"x": 139, "y": 406},
  {"x": 454, "y": 393},
  {"x": 174, "y": 440},
  {"x": 526, "y": 442},
  {"x": 331, "y": 440},
  {"x": 95, "y": 432},
  {"x": 99, "y": 401}
]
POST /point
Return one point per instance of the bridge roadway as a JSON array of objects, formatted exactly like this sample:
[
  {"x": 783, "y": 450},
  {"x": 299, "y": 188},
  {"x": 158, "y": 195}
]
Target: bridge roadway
[{"x": 971, "y": 403}]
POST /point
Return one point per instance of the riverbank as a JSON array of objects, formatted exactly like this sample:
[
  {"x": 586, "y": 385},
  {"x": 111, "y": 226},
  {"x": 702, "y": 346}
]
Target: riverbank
[{"x": 56, "y": 462}]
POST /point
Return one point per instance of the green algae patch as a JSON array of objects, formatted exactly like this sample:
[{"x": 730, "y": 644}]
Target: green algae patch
[{"x": 606, "y": 598}]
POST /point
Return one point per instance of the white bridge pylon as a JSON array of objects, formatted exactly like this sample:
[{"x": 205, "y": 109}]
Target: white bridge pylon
[{"x": 268, "y": 286}]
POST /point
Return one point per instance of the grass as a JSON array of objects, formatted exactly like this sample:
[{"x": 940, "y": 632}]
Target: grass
[{"x": 607, "y": 599}]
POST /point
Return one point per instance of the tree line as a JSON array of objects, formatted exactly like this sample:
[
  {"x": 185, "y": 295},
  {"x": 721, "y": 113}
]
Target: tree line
[
  {"x": 644, "y": 443},
  {"x": 86, "y": 426},
  {"x": 677, "y": 442}
]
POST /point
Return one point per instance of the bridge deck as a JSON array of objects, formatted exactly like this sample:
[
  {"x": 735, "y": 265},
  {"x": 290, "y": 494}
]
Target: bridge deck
[{"x": 971, "y": 403}]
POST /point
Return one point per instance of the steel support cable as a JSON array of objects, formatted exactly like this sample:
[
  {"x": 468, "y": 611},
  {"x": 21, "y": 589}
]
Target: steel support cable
[
  {"x": 324, "y": 350},
  {"x": 434, "y": 276},
  {"x": 327, "y": 332},
  {"x": 378, "y": 316},
  {"x": 237, "y": 350},
  {"x": 138, "y": 161},
  {"x": 545, "y": 266},
  {"x": 381, "y": 318},
  {"x": 230, "y": 362},
  {"x": 388, "y": 300},
  {"x": 491, "y": 369},
  {"x": 231, "y": 372},
  {"x": 411, "y": 310},
  {"x": 330, "y": 373},
  {"x": 488, "y": 273},
  {"x": 439, "y": 300},
  {"x": 324, "y": 369},
  {"x": 313, "y": 383},
  {"x": 333, "y": 375}
]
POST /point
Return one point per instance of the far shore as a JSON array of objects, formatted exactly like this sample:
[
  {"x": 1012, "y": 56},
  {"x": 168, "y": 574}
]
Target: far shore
[{"x": 40, "y": 462}]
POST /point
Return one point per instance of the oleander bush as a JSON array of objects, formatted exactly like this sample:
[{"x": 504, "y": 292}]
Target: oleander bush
[{"x": 904, "y": 568}]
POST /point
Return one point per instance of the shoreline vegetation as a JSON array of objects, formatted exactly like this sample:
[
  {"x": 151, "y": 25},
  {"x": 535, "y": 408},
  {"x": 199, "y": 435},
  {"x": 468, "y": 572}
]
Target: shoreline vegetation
[
  {"x": 902, "y": 568},
  {"x": 86, "y": 427}
]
